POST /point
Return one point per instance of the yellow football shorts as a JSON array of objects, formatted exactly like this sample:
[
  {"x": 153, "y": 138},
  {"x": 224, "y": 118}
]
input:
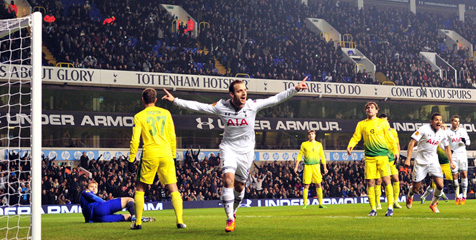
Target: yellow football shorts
[
  {"x": 446, "y": 169},
  {"x": 157, "y": 162},
  {"x": 376, "y": 167},
  {"x": 312, "y": 173}
]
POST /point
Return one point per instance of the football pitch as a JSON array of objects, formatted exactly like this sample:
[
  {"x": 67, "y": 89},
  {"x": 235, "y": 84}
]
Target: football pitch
[{"x": 289, "y": 222}]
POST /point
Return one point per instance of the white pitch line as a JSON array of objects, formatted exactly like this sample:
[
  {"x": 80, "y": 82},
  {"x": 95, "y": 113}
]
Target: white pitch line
[{"x": 357, "y": 217}]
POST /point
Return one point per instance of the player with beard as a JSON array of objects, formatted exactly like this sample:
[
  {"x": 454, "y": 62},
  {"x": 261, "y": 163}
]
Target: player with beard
[{"x": 237, "y": 147}]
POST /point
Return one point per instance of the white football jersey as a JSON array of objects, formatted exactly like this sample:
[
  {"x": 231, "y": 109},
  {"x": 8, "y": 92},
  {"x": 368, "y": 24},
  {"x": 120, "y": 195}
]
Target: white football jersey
[
  {"x": 428, "y": 141},
  {"x": 456, "y": 142},
  {"x": 239, "y": 134}
]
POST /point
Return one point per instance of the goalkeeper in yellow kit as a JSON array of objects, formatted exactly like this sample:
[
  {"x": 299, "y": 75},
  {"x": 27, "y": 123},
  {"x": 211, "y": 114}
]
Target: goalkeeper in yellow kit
[
  {"x": 313, "y": 157},
  {"x": 376, "y": 134},
  {"x": 157, "y": 129}
]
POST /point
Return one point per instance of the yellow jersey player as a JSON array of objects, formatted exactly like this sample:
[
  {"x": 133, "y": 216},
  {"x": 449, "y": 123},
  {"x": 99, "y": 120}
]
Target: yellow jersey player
[
  {"x": 394, "y": 172},
  {"x": 313, "y": 157},
  {"x": 157, "y": 129},
  {"x": 377, "y": 137}
]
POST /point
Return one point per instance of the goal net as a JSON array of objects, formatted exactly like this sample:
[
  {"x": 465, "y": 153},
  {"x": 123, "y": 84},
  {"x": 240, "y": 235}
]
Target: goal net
[{"x": 20, "y": 141}]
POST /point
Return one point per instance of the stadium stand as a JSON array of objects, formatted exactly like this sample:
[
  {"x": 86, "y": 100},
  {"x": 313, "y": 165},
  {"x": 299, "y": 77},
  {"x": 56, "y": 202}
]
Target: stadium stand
[
  {"x": 256, "y": 40},
  {"x": 266, "y": 42}
]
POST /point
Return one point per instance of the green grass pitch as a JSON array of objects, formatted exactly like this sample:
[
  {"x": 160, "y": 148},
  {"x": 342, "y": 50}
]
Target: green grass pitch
[{"x": 289, "y": 222}]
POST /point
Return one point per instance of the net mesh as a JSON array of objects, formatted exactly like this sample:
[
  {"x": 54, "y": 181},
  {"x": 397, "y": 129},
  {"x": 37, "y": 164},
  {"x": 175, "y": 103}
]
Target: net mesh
[{"x": 15, "y": 132}]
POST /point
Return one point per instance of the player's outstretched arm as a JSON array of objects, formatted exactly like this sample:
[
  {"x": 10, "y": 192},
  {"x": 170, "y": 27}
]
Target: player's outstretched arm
[
  {"x": 168, "y": 96},
  {"x": 302, "y": 85}
]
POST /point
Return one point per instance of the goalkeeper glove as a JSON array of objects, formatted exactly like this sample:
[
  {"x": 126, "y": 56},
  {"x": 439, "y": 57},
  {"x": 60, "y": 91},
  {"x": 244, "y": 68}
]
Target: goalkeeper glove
[
  {"x": 130, "y": 165},
  {"x": 463, "y": 140}
]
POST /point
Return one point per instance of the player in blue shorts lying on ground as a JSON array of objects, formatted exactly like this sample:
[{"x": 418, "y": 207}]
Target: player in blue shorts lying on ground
[{"x": 95, "y": 209}]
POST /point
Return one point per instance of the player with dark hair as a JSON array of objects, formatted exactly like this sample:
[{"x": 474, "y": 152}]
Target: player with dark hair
[
  {"x": 428, "y": 137},
  {"x": 237, "y": 147},
  {"x": 459, "y": 139},
  {"x": 377, "y": 139},
  {"x": 157, "y": 129}
]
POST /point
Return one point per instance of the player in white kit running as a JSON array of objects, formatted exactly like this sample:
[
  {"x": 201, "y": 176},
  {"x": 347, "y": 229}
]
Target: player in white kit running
[
  {"x": 238, "y": 114},
  {"x": 426, "y": 160},
  {"x": 459, "y": 139}
]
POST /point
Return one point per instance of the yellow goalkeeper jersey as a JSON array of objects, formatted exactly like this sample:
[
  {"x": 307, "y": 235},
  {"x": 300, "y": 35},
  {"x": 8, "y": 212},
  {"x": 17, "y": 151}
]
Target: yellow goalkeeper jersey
[
  {"x": 377, "y": 137},
  {"x": 313, "y": 153},
  {"x": 157, "y": 129}
]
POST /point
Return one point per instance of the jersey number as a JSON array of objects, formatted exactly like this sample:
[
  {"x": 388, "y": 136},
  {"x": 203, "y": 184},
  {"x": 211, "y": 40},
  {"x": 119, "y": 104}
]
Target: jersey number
[{"x": 153, "y": 124}]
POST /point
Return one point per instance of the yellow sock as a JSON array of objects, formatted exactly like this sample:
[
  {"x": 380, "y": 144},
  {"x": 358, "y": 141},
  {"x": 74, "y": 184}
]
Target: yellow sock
[
  {"x": 378, "y": 193},
  {"x": 389, "y": 193},
  {"x": 396, "y": 191},
  {"x": 139, "y": 206},
  {"x": 433, "y": 185},
  {"x": 177, "y": 203},
  {"x": 371, "y": 196},
  {"x": 305, "y": 192},
  {"x": 319, "y": 195}
]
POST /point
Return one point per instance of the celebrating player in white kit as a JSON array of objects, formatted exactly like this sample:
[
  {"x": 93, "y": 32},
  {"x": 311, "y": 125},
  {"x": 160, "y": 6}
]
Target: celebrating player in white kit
[
  {"x": 238, "y": 114},
  {"x": 426, "y": 160},
  {"x": 459, "y": 139}
]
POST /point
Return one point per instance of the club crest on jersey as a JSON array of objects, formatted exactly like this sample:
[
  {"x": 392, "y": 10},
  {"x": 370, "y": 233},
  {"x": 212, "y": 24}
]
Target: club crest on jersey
[
  {"x": 433, "y": 142},
  {"x": 237, "y": 122}
]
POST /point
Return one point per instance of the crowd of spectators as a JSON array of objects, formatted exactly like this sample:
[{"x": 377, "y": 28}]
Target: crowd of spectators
[
  {"x": 393, "y": 38},
  {"x": 197, "y": 180},
  {"x": 140, "y": 38},
  {"x": 260, "y": 40}
]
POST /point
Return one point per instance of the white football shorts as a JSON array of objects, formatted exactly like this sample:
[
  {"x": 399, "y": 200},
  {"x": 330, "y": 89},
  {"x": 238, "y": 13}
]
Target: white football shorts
[
  {"x": 237, "y": 163},
  {"x": 461, "y": 163},
  {"x": 421, "y": 170}
]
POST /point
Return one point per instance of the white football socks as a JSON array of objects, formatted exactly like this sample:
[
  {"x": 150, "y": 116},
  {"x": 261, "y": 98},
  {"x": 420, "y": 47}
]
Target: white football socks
[
  {"x": 464, "y": 185},
  {"x": 238, "y": 198},
  {"x": 227, "y": 201}
]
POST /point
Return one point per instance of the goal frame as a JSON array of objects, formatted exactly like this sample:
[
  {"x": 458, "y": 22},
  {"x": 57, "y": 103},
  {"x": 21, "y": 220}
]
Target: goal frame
[{"x": 36, "y": 22}]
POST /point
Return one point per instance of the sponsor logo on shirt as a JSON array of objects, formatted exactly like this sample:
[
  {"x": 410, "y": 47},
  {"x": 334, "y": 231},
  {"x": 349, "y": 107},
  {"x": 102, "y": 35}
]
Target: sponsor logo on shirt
[
  {"x": 237, "y": 122},
  {"x": 433, "y": 142}
]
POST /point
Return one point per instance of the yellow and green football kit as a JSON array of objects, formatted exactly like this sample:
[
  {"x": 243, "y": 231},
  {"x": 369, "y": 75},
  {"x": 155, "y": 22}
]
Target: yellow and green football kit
[
  {"x": 313, "y": 156},
  {"x": 444, "y": 163},
  {"x": 377, "y": 138}
]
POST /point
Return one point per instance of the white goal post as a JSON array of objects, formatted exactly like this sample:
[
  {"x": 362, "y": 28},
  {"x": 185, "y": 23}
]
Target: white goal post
[
  {"x": 20, "y": 143},
  {"x": 36, "y": 126}
]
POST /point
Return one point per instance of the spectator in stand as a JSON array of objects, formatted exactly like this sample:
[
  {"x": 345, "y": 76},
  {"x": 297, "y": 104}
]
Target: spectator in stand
[
  {"x": 84, "y": 159},
  {"x": 12, "y": 9},
  {"x": 109, "y": 21}
]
